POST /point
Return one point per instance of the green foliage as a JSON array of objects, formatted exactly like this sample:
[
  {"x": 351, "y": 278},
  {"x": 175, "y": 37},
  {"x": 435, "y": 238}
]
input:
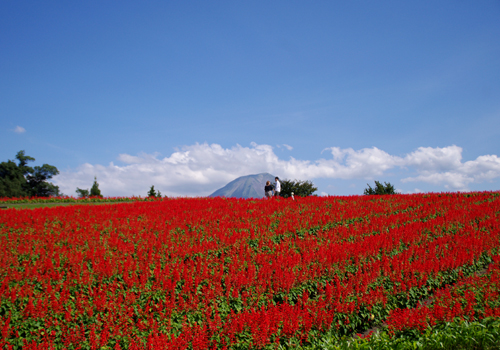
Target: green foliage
[
  {"x": 82, "y": 193},
  {"x": 380, "y": 189},
  {"x": 23, "y": 161},
  {"x": 152, "y": 192},
  {"x": 298, "y": 187},
  {"x": 94, "y": 190},
  {"x": 12, "y": 181},
  {"x": 36, "y": 202},
  {"x": 37, "y": 181},
  {"x": 20, "y": 180},
  {"x": 460, "y": 335}
]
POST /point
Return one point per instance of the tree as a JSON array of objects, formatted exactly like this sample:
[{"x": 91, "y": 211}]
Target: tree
[
  {"x": 20, "y": 180},
  {"x": 37, "y": 185},
  {"x": 94, "y": 190},
  {"x": 12, "y": 181},
  {"x": 298, "y": 187},
  {"x": 152, "y": 192},
  {"x": 23, "y": 161},
  {"x": 380, "y": 189},
  {"x": 82, "y": 193}
]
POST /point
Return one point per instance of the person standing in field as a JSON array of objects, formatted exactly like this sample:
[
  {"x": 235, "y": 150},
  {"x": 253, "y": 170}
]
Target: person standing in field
[
  {"x": 268, "y": 189},
  {"x": 277, "y": 186}
]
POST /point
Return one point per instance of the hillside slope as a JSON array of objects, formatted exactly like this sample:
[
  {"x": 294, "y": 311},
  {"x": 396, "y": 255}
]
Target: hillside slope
[{"x": 249, "y": 186}]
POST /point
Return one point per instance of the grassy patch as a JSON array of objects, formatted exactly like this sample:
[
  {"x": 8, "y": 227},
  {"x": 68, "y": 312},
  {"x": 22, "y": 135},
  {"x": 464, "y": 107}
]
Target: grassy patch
[{"x": 482, "y": 335}]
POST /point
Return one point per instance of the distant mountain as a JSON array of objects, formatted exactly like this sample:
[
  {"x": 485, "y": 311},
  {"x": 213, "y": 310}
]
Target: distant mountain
[{"x": 250, "y": 186}]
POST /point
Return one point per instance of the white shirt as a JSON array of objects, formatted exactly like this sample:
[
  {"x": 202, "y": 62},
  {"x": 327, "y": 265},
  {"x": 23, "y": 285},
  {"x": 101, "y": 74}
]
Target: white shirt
[{"x": 277, "y": 186}]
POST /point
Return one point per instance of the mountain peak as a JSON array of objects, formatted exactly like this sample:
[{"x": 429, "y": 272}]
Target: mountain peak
[{"x": 249, "y": 186}]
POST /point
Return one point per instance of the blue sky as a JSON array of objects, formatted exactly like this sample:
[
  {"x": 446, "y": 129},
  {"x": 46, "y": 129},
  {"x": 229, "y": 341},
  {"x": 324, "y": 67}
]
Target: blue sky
[{"x": 189, "y": 95}]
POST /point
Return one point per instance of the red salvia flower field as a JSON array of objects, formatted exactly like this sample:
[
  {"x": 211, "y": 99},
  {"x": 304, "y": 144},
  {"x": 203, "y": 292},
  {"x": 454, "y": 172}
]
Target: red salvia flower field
[{"x": 215, "y": 273}]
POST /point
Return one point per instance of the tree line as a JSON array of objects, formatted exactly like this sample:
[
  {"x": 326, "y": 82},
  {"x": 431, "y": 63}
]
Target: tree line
[
  {"x": 17, "y": 179},
  {"x": 20, "y": 180},
  {"x": 94, "y": 190},
  {"x": 304, "y": 188}
]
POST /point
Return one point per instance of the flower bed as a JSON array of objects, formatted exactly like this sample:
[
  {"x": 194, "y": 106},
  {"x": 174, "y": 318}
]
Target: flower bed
[{"x": 213, "y": 272}]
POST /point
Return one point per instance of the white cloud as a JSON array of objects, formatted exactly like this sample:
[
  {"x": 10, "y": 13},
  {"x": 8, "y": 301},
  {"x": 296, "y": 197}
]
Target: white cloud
[
  {"x": 450, "y": 180},
  {"x": 200, "y": 169},
  {"x": 19, "y": 129},
  {"x": 365, "y": 163},
  {"x": 483, "y": 168},
  {"x": 434, "y": 159},
  {"x": 443, "y": 166}
]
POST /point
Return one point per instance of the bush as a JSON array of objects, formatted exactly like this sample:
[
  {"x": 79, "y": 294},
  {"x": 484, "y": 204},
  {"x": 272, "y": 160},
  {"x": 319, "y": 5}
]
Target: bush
[
  {"x": 380, "y": 189},
  {"x": 297, "y": 187}
]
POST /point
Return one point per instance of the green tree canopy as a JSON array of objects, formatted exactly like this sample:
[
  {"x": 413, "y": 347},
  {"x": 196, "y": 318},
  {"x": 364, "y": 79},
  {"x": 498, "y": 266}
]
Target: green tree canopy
[
  {"x": 23, "y": 161},
  {"x": 82, "y": 193},
  {"x": 12, "y": 181},
  {"x": 94, "y": 190},
  {"x": 37, "y": 181},
  {"x": 152, "y": 192},
  {"x": 20, "y": 180},
  {"x": 298, "y": 187},
  {"x": 387, "y": 188}
]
